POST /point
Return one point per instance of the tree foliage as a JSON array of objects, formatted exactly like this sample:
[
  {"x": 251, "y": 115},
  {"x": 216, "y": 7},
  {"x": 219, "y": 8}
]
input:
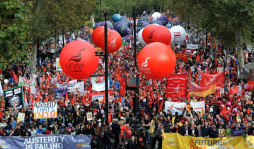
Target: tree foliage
[{"x": 13, "y": 31}]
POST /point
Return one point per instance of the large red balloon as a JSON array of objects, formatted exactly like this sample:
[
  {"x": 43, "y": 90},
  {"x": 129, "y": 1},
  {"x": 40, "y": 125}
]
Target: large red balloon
[
  {"x": 158, "y": 33},
  {"x": 145, "y": 31},
  {"x": 96, "y": 35},
  {"x": 114, "y": 41},
  {"x": 78, "y": 60},
  {"x": 156, "y": 60}
]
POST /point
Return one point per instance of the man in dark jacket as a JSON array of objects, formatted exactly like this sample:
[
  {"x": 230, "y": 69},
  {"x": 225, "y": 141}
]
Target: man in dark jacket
[
  {"x": 186, "y": 131},
  {"x": 116, "y": 130},
  {"x": 205, "y": 130},
  {"x": 26, "y": 133}
]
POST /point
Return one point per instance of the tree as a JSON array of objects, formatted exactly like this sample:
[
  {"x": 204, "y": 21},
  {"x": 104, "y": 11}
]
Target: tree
[{"x": 13, "y": 32}]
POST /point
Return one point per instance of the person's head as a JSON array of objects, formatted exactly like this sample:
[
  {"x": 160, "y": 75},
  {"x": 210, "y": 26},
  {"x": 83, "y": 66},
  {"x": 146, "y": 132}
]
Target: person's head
[
  {"x": 206, "y": 124},
  {"x": 161, "y": 126},
  {"x": 40, "y": 127},
  {"x": 146, "y": 117},
  {"x": 186, "y": 127}
]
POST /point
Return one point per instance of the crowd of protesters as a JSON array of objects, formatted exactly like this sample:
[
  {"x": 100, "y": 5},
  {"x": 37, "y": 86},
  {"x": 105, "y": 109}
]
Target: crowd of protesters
[{"x": 217, "y": 121}]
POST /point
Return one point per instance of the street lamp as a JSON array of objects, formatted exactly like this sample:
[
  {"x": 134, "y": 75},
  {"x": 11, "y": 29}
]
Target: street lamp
[{"x": 105, "y": 54}]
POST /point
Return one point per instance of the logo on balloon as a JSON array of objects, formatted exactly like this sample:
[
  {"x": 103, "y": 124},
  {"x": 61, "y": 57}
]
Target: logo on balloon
[
  {"x": 144, "y": 66},
  {"x": 177, "y": 33},
  {"x": 113, "y": 43},
  {"x": 74, "y": 62},
  {"x": 151, "y": 35}
]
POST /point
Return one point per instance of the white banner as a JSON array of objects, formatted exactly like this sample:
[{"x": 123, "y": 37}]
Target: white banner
[
  {"x": 58, "y": 66},
  {"x": 179, "y": 106},
  {"x": 192, "y": 46},
  {"x": 21, "y": 117},
  {"x": 73, "y": 87},
  {"x": 99, "y": 86},
  {"x": 24, "y": 82},
  {"x": 45, "y": 109}
]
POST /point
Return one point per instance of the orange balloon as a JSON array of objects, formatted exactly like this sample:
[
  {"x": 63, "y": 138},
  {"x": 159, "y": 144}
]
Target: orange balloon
[
  {"x": 114, "y": 41},
  {"x": 145, "y": 31},
  {"x": 156, "y": 60},
  {"x": 158, "y": 33},
  {"x": 78, "y": 60},
  {"x": 96, "y": 35}
]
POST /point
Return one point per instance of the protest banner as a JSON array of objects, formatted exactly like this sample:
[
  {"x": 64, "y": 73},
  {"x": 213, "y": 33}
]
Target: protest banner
[
  {"x": 1, "y": 89},
  {"x": 184, "y": 57},
  {"x": 188, "y": 51},
  {"x": 24, "y": 82},
  {"x": 99, "y": 96},
  {"x": 176, "y": 86},
  {"x": 179, "y": 106},
  {"x": 177, "y": 141},
  {"x": 14, "y": 97},
  {"x": 21, "y": 117},
  {"x": 73, "y": 87},
  {"x": 98, "y": 83},
  {"x": 59, "y": 92},
  {"x": 45, "y": 109},
  {"x": 58, "y": 66},
  {"x": 192, "y": 46},
  {"x": 206, "y": 78},
  {"x": 47, "y": 142}
]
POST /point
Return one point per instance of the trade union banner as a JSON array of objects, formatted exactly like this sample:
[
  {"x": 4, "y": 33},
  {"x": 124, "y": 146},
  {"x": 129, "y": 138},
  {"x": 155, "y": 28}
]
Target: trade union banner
[
  {"x": 45, "y": 109},
  {"x": 73, "y": 87},
  {"x": 184, "y": 57},
  {"x": 177, "y": 141},
  {"x": 47, "y": 142},
  {"x": 24, "y": 82},
  {"x": 179, "y": 106},
  {"x": 176, "y": 86}
]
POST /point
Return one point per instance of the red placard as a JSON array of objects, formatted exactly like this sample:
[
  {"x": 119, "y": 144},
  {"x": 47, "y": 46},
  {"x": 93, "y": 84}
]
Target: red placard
[
  {"x": 184, "y": 57},
  {"x": 176, "y": 86},
  {"x": 188, "y": 51}
]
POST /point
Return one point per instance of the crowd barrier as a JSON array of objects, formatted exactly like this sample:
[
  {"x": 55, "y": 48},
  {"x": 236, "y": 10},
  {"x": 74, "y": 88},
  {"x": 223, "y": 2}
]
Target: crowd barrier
[
  {"x": 47, "y": 142},
  {"x": 177, "y": 141}
]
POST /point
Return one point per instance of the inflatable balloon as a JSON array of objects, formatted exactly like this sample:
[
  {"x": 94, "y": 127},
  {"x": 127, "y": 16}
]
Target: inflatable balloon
[
  {"x": 155, "y": 16},
  {"x": 119, "y": 22},
  {"x": 96, "y": 34},
  {"x": 97, "y": 25},
  {"x": 156, "y": 61},
  {"x": 164, "y": 20},
  {"x": 146, "y": 29},
  {"x": 172, "y": 36},
  {"x": 109, "y": 25},
  {"x": 229, "y": 104},
  {"x": 142, "y": 24},
  {"x": 140, "y": 38},
  {"x": 116, "y": 17},
  {"x": 114, "y": 41},
  {"x": 78, "y": 60},
  {"x": 157, "y": 22},
  {"x": 122, "y": 29},
  {"x": 179, "y": 34},
  {"x": 158, "y": 33}
]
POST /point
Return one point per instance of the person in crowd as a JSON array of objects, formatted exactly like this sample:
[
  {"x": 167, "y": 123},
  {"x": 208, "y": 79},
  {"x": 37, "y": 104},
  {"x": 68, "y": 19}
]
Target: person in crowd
[{"x": 108, "y": 138}]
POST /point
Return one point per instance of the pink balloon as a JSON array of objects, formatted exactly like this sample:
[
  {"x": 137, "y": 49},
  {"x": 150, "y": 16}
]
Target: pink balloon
[{"x": 229, "y": 104}]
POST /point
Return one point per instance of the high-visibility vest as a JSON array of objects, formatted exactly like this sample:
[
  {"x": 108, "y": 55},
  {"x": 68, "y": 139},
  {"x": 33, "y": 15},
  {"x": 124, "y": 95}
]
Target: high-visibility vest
[{"x": 122, "y": 129}]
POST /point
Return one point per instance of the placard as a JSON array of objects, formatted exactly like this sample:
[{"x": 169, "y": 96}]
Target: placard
[
  {"x": 14, "y": 97},
  {"x": 45, "y": 109}
]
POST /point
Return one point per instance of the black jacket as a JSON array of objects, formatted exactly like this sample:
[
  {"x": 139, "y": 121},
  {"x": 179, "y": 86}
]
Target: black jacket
[
  {"x": 183, "y": 132},
  {"x": 214, "y": 133},
  {"x": 107, "y": 136},
  {"x": 116, "y": 128},
  {"x": 205, "y": 131}
]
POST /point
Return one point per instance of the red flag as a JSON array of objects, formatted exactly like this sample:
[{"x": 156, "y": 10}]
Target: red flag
[
  {"x": 197, "y": 90},
  {"x": 180, "y": 68},
  {"x": 77, "y": 91},
  {"x": 83, "y": 100},
  {"x": 73, "y": 101},
  {"x": 161, "y": 105},
  {"x": 118, "y": 76},
  {"x": 66, "y": 97},
  {"x": 46, "y": 99},
  {"x": 44, "y": 69},
  {"x": 234, "y": 90},
  {"x": 207, "y": 68},
  {"x": 218, "y": 94},
  {"x": 1, "y": 115},
  {"x": 103, "y": 100}
]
